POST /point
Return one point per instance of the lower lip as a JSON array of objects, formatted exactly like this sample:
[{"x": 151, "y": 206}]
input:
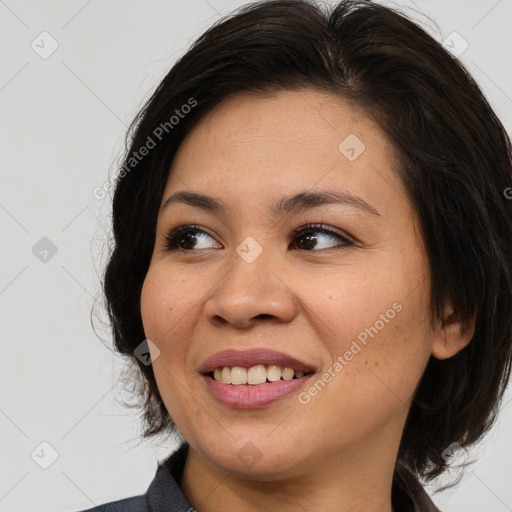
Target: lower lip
[{"x": 247, "y": 396}]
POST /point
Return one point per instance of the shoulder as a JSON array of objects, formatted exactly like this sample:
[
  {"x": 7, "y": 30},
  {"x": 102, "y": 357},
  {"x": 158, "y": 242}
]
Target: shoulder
[{"x": 134, "y": 504}]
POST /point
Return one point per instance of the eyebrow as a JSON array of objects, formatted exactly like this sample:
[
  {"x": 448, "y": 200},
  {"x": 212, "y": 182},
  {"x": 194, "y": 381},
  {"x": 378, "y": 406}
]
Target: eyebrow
[{"x": 293, "y": 204}]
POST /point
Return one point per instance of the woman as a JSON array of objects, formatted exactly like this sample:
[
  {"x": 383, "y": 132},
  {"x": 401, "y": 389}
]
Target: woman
[{"x": 312, "y": 263}]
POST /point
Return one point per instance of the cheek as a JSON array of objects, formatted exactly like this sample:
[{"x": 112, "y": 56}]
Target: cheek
[
  {"x": 156, "y": 307},
  {"x": 165, "y": 304},
  {"x": 358, "y": 307},
  {"x": 377, "y": 334},
  {"x": 163, "y": 311},
  {"x": 167, "y": 317}
]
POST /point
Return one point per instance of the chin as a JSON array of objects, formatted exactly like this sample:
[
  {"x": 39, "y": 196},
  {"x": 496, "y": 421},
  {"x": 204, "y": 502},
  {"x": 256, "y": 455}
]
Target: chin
[{"x": 257, "y": 460}]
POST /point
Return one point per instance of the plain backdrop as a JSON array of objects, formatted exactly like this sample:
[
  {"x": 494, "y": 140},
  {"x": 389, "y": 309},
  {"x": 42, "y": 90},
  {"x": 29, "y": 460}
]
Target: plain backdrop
[{"x": 73, "y": 74}]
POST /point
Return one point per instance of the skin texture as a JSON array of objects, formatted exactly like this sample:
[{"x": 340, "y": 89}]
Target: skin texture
[{"x": 309, "y": 301}]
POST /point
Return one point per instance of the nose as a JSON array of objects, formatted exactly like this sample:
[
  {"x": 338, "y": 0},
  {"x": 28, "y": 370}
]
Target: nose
[{"x": 249, "y": 293}]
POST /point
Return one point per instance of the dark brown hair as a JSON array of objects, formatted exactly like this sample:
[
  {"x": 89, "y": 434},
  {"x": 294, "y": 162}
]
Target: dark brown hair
[{"x": 454, "y": 158}]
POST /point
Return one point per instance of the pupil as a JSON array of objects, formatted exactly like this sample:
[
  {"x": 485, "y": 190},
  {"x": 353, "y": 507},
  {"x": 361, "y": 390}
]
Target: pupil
[
  {"x": 187, "y": 239},
  {"x": 309, "y": 241}
]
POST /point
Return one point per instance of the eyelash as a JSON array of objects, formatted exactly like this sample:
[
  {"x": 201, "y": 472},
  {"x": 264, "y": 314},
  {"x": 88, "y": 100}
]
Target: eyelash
[{"x": 171, "y": 239}]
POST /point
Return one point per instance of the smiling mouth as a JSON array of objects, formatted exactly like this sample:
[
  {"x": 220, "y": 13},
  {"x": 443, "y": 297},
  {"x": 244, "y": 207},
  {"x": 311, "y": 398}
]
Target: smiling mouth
[{"x": 255, "y": 375}]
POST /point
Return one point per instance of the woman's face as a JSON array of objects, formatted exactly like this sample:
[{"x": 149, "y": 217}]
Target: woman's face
[{"x": 351, "y": 303}]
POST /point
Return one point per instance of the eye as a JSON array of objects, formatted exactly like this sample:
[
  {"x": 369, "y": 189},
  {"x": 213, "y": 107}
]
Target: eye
[
  {"x": 315, "y": 236},
  {"x": 187, "y": 238},
  {"x": 308, "y": 237}
]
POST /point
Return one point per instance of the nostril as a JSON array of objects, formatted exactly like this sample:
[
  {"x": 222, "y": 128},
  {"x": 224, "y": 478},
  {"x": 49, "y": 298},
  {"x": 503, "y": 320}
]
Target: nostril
[{"x": 264, "y": 316}]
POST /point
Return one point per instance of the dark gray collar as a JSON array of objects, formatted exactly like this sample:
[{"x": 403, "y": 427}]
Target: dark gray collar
[{"x": 164, "y": 493}]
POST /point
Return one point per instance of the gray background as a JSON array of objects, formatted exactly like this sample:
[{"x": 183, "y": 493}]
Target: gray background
[{"x": 62, "y": 126}]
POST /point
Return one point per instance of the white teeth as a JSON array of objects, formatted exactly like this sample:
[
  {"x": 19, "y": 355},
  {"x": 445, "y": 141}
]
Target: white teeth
[
  {"x": 288, "y": 373},
  {"x": 274, "y": 373},
  {"x": 238, "y": 375},
  {"x": 255, "y": 375},
  {"x": 225, "y": 376}
]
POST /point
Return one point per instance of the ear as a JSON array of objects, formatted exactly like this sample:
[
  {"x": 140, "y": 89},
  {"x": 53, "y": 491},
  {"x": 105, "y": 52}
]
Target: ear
[{"x": 450, "y": 338}]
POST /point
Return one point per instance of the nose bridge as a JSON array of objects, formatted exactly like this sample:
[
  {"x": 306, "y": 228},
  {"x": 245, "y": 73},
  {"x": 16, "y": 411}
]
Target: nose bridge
[
  {"x": 250, "y": 289},
  {"x": 249, "y": 268}
]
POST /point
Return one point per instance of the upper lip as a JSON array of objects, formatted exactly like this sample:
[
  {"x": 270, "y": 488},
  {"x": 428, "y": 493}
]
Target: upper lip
[{"x": 253, "y": 357}]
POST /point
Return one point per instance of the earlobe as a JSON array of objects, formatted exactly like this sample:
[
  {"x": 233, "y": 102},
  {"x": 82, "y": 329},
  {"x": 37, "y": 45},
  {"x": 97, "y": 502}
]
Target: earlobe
[{"x": 451, "y": 338}]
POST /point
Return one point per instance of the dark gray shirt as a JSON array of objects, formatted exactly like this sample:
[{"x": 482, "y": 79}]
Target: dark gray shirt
[{"x": 164, "y": 493}]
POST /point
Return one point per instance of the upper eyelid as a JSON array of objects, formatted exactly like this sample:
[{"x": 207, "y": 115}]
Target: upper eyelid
[
  {"x": 324, "y": 228},
  {"x": 307, "y": 226}
]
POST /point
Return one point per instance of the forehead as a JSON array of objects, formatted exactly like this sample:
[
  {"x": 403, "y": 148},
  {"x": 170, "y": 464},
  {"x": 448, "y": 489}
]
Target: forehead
[{"x": 285, "y": 142}]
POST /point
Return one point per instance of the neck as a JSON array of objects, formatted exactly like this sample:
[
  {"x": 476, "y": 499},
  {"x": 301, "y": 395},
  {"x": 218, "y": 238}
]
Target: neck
[{"x": 350, "y": 483}]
